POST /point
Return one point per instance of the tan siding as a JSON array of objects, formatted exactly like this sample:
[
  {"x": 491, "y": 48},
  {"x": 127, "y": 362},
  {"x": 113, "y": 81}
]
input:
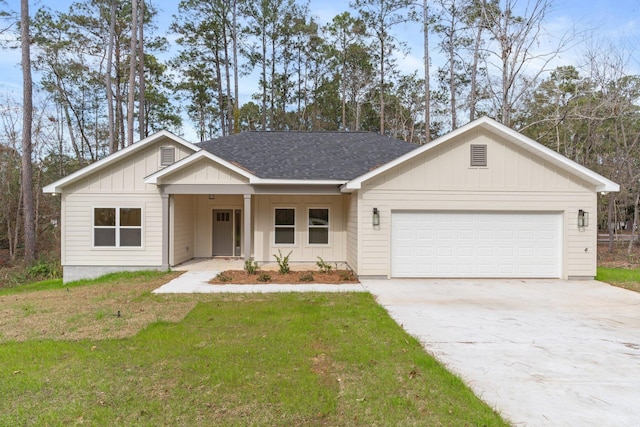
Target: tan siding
[
  {"x": 264, "y": 248},
  {"x": 447, "y": 168},
  {"x": 204, "y": 171},
  {"x": 351, "y": 204},
  {"x": 183, "y": 245},
  {"x": 78, "y": 238},
  {"x": 441, "y": 179},
  {"x": 203, "y": 220},
  {"x": 128, "y": 174},
  {"x": 375, "y": 259}
]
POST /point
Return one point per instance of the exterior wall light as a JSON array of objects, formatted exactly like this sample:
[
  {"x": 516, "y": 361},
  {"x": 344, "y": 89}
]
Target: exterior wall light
[
  {"x": 376, "y": 217},
  {"x": 583, "y": 219},
  {"x": 212, "y": 196}
]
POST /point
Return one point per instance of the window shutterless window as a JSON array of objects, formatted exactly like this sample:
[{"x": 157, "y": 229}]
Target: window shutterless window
[
  {"x": 318, "y": 226},
  {"x": 285, "y": 226},
  {"x": 117, "y": 227}
]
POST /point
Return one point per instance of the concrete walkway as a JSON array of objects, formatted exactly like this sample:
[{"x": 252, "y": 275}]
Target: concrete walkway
[
  {"x": 541, "y": 352},
  {"x": 197, "y": 281}
]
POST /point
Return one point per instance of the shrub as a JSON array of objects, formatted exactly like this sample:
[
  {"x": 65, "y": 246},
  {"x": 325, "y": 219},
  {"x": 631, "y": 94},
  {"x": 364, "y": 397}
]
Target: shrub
[
  {"x": 264, "y": 277},
  {"x": 346, "y": 275},
  {"x": 251, "y": 266},
  {"x": 283, "y": 262},
  {"x": 223, "y": 277},
  {"x": 323, "y": 266},
  {"x": 306, "y": 277},
  {"x": 45, "y": 269}
]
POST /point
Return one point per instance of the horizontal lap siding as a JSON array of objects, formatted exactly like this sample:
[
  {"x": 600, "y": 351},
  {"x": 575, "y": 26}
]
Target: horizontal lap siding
[
  {"x": 352, "y": 230},
  {"x": 514, "y": 180},
  {"x": 183, "y": 245},
  {"x": 264, "y": 248},
  {"x": 78, "y": 247}
]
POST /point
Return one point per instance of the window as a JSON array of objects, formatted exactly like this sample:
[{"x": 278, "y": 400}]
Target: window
[
  {"x": 318, "y": 226},
  {"x": 167, "y": 156},
  {"x": 478, "y": 155},
  {"x": 285, "y": 226},
  {"x": 117, "y": 227}
]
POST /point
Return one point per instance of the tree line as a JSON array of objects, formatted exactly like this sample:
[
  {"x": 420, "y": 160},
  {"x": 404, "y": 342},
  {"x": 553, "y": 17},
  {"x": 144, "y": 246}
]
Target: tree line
[{"x": 107, "y": 76}]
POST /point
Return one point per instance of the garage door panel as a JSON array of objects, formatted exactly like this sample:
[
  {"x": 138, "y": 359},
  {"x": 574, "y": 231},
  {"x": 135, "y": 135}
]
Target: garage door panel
[{"x": 461, "y": 244}]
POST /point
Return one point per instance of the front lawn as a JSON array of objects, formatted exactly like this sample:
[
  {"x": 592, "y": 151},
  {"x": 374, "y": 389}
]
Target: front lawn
[
  {"x": 624, "y": 278},
  {"x": 255, "y": 359}
]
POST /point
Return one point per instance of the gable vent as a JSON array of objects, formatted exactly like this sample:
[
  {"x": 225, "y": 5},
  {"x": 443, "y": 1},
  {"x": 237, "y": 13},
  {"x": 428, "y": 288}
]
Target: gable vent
[
  {"x": 167, "y": 156},
  {"x": 478, "y": 155}
]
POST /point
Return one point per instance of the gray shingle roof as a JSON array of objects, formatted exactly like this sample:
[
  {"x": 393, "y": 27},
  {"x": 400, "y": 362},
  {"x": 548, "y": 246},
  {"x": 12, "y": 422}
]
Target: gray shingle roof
[{"x": 307, "y": 155}]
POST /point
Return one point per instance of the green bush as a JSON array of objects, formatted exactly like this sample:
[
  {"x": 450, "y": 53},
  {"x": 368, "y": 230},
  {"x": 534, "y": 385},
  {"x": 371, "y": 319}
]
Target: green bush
[
  {"x": 251, "y": 266},
  {"x": 224, "y": 278},
  {"x": 283, "y": 262},
  {"x": 306, "y": 277},
  {"x": 323, "y": 266},
  {"x": 264, "y": 277}
]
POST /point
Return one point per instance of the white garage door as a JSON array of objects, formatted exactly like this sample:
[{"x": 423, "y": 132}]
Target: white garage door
[{"x": 487, "y": 244}]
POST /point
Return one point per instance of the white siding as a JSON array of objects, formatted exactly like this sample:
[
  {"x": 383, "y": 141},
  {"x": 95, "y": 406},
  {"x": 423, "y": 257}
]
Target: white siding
[
  {"x": 203, "y": 220},
  {"x": 264, "y": 247},
  {"x": 514, "y": 180},
  {"x": 351, "y": 204},
  {"x": 182, "y": 246},
  {"x": 78, "y": 230},
  {"x": 204, "y": 171},
  {"x": 119, "y": 185}
]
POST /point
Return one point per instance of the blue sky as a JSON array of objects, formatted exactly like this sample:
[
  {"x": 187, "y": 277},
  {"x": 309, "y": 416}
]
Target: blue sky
[{"x": 611, "y": 21}]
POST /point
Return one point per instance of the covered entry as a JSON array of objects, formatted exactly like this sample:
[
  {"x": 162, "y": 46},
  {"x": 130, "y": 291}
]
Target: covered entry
[
  {"x": 476, "y": 244},
  {"x": 227, "y": 232}
]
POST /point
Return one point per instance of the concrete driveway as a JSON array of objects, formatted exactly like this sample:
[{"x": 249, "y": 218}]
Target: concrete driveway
[{"x": 541, "y": 352}]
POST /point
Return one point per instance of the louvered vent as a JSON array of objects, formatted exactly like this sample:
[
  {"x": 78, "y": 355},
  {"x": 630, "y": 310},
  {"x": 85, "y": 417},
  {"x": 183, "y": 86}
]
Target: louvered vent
[
  {"x": 478, "y": 155},
  {"x": 167, "y": 156}
]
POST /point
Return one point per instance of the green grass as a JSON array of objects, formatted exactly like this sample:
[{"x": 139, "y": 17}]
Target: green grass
[
  {"x": 274, "y": 359},
  {"x": 624, "y": 278},
  {"x": 52, "y": 284}
]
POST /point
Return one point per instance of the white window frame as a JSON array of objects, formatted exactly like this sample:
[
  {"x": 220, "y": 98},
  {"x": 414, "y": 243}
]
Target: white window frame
[
  {"x": 275, "y": 226},
  {"x": 117, "y": 227},
  {"x": 325, "y": 227}
]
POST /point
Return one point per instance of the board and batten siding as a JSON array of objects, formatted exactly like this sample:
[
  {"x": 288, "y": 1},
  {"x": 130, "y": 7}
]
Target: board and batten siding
[
  {"x": 301, "y": 251},
  {"x": 120, "y": 184},
  {"x": 513, "y": 181},
  {"x": 204, "y": 171}
]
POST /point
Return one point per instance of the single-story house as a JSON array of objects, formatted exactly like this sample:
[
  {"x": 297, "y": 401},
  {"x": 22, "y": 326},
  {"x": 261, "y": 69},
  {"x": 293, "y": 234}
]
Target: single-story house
[{"x": 481, "y": 201}]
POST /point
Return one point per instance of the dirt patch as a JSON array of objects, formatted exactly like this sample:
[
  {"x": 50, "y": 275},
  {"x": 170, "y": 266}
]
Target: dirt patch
[
  {"x": 619, "y": 256},
  {"x": 240, "y": 277},
  {"x": 103, "y": 311}
]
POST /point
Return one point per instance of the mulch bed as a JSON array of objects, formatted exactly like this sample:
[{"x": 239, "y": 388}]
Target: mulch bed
[{"x": 241, "y": 277}]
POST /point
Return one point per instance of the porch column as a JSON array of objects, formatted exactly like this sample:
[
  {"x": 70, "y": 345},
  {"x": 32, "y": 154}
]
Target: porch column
[
  {"x": 165, "y": 231},
  {"x": 247, "y": 227}
]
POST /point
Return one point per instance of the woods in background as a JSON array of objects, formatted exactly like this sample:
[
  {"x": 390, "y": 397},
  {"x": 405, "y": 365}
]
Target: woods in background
[{"x": 104, "y": 76}]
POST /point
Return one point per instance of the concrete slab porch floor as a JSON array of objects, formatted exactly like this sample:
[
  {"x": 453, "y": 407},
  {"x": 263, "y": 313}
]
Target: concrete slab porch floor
[{"x": 541, "y": 352}]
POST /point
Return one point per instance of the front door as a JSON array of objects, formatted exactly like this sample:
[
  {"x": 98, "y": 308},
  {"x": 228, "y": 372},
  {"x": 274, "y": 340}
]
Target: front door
[{"x": 222, "y": 232}]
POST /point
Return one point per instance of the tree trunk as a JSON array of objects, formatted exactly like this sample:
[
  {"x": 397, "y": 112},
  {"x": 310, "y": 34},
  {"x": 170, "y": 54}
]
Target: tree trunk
[
  {"x": 634, "y": 226},
  {"x": 113, "y": 145},
  {"x": 141, "y": 81},
  {"x": 610, "y": 221},
  {"x": 132, "y": 70},
  {"x": 27, "y": 119},
  {"x": 236, "y": 91},
  {"x": 427, "y": 86}
]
